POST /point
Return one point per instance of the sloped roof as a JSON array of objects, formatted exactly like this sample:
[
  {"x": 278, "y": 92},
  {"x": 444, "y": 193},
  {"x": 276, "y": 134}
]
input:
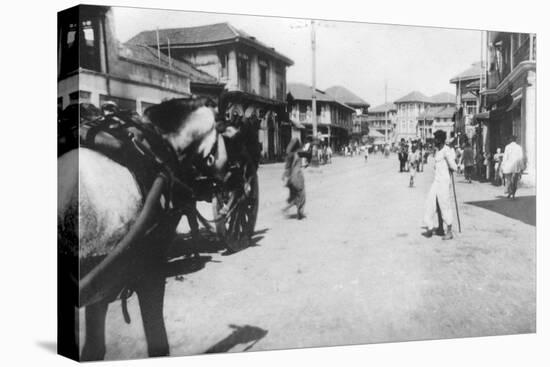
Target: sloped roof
[
  {"x": 344, "y": 95},
  {"x": 429, "y": 113},
  {"x": 206, "y": 35},
  {"x": 303, "y": 92},
  {"x": 383, "y": 108},
  {"x": 147, "y": 55},
  {"x": 444, "y": 97},
  {"x": 473, "y": 72},
  {"x": 413, "y": 97},
  {"x": 447, "y": 112}
]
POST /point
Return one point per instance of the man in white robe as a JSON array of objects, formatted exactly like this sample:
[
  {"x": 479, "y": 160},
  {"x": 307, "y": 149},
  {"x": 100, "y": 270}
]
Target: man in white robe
[
  {"x": 440, "y": 191},
  {"x": 512, "y": 166}
]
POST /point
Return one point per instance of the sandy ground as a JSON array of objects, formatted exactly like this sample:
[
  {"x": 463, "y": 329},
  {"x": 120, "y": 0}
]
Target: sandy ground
[{"x": 356, "y": 270}]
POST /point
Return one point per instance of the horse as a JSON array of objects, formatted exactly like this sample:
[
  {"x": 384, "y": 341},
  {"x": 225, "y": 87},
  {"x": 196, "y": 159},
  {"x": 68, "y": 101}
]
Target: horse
[{"x": 100, "y": 203}]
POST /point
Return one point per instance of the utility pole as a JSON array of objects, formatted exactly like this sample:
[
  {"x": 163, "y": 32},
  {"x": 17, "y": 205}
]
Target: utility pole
[{"x": 314, "y": 160}]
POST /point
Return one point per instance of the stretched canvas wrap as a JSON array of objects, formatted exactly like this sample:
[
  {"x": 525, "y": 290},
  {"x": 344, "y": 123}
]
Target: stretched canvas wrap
[{"x": 232, "y": 183}]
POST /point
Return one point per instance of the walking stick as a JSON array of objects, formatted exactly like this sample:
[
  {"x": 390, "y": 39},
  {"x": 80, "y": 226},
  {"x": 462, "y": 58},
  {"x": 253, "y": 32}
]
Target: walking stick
[{"x": 456, "y": 203}]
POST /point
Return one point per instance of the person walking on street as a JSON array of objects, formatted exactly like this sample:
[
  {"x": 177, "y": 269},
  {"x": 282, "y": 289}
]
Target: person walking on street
[
  {"x": 512, "y": 166},
  {"x": 294, "y": 178},
  {"x": 468, "y": 161},
  {"x": 439, "y": 196},
  {"x": 413, "y": 164},
  {"x": 497, "y": 158}
]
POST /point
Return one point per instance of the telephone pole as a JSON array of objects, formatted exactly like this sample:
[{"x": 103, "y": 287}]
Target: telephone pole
[
  {"x": 386, "y": 111},
  {"x": 314, "y": 142}
]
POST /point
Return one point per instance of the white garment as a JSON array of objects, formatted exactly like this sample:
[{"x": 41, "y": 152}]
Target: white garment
[
  {"x": 440, "y": 190},
  {"x": 512, "y": 161}
]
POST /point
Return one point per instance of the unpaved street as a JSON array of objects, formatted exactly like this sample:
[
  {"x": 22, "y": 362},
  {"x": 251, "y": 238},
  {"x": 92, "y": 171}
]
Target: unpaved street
[{"x": 356, "y": 270}]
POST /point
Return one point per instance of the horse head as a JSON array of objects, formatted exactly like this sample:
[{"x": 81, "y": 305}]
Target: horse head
[{"x": 189, "y": 126}]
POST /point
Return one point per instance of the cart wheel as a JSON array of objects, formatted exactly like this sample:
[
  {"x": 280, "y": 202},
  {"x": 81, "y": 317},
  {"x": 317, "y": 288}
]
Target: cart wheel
[{"x": 238, "y": 227}]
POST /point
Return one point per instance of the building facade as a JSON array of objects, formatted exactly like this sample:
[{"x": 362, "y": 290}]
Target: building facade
[
  {"x": 382, "y": 118},
  {"x": 468, "y": 98},
  {"x": 509, "y": 96},
  {"x": 254, "y": 74},
  {"x": 334, "y": 118},
  {"x": 413, "y": 111},
  {"x": 94, "y": 67}
]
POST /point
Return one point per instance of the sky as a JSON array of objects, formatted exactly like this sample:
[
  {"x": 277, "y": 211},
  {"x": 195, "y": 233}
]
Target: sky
[{"x": 359, "y": 56}]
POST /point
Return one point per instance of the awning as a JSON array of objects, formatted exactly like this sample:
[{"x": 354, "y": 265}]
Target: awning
[
  {"x": 482, "y": 116},
  {"x": 514, "y": 104}
]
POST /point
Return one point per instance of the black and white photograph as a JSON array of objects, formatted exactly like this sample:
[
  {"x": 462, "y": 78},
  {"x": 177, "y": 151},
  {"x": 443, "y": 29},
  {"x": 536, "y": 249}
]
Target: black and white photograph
[{"x": 235, "y": 183}]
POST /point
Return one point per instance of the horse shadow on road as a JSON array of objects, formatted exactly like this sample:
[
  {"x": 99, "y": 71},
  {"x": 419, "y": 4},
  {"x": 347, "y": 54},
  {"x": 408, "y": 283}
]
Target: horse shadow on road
[
  {"x": 522, "y": 208},
  {"x": 246, "y": 335}
]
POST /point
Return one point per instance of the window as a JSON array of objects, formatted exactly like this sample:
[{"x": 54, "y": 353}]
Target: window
[
  {"x": 89, "y": 45},
  {"x": 264, "y": 72},
  {"x": 243, "y": 69},
  {"x": 224, "y": 61}
]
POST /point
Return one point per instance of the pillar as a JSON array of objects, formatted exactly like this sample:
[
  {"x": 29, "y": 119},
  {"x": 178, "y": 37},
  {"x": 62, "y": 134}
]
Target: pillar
[{"x": 528, "y": 119}]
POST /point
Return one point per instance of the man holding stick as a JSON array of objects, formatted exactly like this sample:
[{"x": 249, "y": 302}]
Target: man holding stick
[{"x": 439, "y": 196}]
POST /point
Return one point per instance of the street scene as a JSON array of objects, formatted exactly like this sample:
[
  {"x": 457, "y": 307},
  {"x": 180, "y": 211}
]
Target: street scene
[
  {"x": 347, "y": 274},
  {"x": 239, "y": 183}
]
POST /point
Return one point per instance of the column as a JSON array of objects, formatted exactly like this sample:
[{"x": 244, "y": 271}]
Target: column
[
  {"x": 232, "y": 74},
  {"x": 528, "y": 119}
]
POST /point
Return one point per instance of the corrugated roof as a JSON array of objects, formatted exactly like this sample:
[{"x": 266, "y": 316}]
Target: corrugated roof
[
  {"x": 148, "y": 55},
  {"x": 201, "y": 35},
  {"x": 444, "y": 97},
  {"x": 383, "y": 108},
  {"x": 303, "y": 92},
  {"x": 413, "y": 97},
  {"x": 473, "y": 72},
  {"x": 344, "y": 95}
]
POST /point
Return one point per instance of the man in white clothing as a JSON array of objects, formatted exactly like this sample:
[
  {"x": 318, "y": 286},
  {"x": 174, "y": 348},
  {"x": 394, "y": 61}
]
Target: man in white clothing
[
  {"x": 512, "y": 166},
  {"x": 439, "y": 195}
]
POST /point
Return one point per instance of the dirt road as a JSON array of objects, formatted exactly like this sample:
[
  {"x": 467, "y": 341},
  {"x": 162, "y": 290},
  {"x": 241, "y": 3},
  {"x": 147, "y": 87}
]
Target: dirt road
[{"x": 356, "y": 270}]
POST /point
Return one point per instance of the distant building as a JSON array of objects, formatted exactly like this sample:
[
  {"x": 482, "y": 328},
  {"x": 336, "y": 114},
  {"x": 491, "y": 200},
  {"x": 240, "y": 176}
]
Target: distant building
[
  {"x": 413, "y": 111},
  {"x": 93, "y": 67},
  {"x": 334, "y": 118},
  {"x": 509, "y": 96},
  {"x": 467, "y": 98},
  {"x": 382, "y": 118},
  {"x": 254, "y": 74},
  {"x": 360, "y": 117}
]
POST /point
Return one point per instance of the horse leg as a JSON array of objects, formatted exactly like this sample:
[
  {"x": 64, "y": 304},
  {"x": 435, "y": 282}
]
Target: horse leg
[
  {"x": 151, "y": 302},
  {"x": 94, "y": 344}
]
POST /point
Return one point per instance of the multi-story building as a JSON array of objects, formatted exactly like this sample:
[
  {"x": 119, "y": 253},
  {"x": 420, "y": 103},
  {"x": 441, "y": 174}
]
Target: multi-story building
[
  {"x": 467, "y": 98},
  {"x": 509, "y": 96},
  {"x": 409, "y": 107},
  {"x": 382, "y": 119},
  {"x": 360, "y": 117},
  {"x": 334, "y": 118},
  {"x": 254, "y": 74},
  {"x": 418, "y": 116},
  {"x": 94, "y": 67}
]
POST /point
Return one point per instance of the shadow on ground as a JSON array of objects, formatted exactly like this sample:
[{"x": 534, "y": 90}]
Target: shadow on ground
[
  {"x": 187, "y": 256},
  {"x": 49, "y": 346},
  {"x": 522, "y": 208},
  {"x": 241, "y": 335}
]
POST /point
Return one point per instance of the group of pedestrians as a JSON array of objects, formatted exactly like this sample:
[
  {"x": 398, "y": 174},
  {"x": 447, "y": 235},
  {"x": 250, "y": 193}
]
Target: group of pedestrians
[{"x": 500, "y": 168}]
